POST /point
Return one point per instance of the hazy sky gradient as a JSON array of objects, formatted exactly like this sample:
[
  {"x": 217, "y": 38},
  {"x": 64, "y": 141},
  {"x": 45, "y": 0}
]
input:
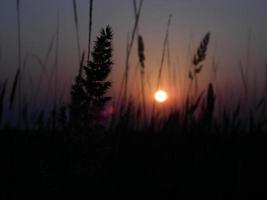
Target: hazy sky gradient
[{"x": 229, "y": 22}]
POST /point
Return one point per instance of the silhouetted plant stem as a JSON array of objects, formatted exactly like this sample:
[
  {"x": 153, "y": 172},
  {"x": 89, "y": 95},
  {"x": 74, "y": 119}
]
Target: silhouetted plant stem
[
  {"x": 2, "y": 98},
  {"x": 76, "y": 21},
  {"x": 128, "y": 53},
  {"x": 14, "y": 88},
  {"x": 141, "y": 55},
  {"x": 164, "y": 52},
  {"x": 162, "y": 59},
  {"x": 43, "y": 65},
  {"x": 265, "y": 89},
  {"x": 56, "y": 64},
  {"x": 19, "y": 78},
  {"x": 90, "y": 30}
]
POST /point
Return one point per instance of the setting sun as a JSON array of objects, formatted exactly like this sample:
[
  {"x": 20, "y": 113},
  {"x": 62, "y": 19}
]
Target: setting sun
[{"x": 161, "y": 96}]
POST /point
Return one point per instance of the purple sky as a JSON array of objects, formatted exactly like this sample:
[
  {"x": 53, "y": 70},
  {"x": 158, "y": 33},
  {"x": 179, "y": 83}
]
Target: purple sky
[{"x": 229, "y": 22}]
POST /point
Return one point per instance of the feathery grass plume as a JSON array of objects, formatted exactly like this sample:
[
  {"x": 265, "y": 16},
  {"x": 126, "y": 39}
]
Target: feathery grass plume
[
  {"x": 90, "y": 30},
  {"x": 76, "y": 21},
  {"x": 14, "y": 88},
  {"x": 201, "y": 51},
  {"x": 198, "y": 58},
  {"x": 141, "y": 54},
  {"x": 141, "y": 49},
  {"x": 2, "y": 97},
  {"x": 95, "y": 81}
]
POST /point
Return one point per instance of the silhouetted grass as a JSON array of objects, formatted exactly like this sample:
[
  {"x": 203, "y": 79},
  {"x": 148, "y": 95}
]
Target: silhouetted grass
[
  {"x": 2, "y": 98},
  {"x": 188, "y": 153},
  {"x": 90, "y": 30},
  {"x": 76, "y": 22},
  {"x": 14, "y": 88}
]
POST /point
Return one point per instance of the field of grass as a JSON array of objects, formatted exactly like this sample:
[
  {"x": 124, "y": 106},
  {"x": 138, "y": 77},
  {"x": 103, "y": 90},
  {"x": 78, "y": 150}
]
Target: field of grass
[{"x": 192, "y": 151}]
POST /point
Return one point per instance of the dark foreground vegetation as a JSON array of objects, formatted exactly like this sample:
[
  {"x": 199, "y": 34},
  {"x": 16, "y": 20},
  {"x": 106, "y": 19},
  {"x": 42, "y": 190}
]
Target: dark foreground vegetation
[{"x": 132, "y": 165}]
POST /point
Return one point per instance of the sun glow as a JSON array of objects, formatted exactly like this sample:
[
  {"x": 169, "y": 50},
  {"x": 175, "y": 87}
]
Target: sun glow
[{"x": 161, "y": 96}]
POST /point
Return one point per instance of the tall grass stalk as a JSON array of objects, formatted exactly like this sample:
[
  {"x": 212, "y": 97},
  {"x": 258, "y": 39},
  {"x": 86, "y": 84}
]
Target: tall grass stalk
[
  {"x": 141, "y": 55},
  {"x": 43, "y": 65},
  {"x": 14, "y": 88},
  {"x": 53, "y": 78},
  {"x": 162, "y": 60},
  {"x": 141, "y": 49},
  {"x": 76, "y": 21},
  {"x": 18, "y": 78},
  {"x": 56, "y": 63},
  {"x": 164, "y": 51},
  {"x": 90, "y": 30},
  {"x": 188, "y": 74},
  {"x": 2, "y": 98},
  {"x": 198, "y": 58},
  {"x": 128, "y": 53},
  {"x": 248, "y": 55},
  {"x": 123, "y": 79}
]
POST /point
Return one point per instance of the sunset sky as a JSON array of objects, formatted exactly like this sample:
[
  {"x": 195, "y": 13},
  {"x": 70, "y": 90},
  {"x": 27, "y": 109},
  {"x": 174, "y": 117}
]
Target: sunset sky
[{"x": 230, "y": 22}]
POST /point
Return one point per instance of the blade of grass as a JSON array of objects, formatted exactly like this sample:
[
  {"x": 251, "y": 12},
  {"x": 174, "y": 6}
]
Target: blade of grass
[
  {"x": 14, "y": 88},
  {"x": 128, "y": 52},
  {"x": 2, "y": 98},
  {"x": 90, "y": 30},
  {"x": 19, "y": 79},
  {"x": 76, "y": 21},
  {"x": 162, "y": 59},
  {"x": 164, "y": 51}
]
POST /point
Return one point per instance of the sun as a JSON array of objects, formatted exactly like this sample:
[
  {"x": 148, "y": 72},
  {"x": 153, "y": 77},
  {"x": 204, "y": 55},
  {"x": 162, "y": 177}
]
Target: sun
[{"x": 161, "y": 96}]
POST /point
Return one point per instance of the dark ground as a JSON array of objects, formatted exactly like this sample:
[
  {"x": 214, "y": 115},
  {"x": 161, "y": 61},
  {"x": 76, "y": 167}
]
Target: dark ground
[{"x": 132, "y": 166}]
